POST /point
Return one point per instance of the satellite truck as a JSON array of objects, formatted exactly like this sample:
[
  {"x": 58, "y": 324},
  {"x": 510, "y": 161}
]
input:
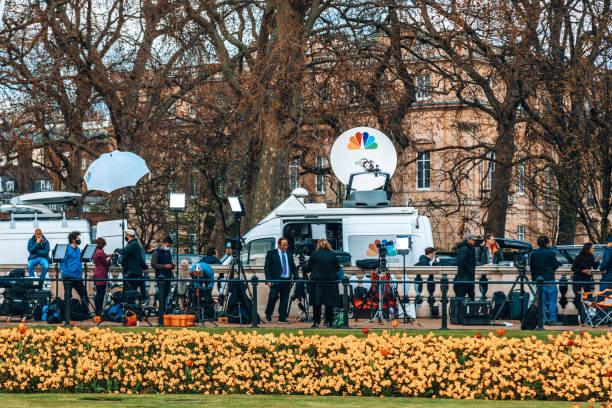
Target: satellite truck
[
  {"x": 363, "y": 159},
  {"x": 34, "y": 210}
]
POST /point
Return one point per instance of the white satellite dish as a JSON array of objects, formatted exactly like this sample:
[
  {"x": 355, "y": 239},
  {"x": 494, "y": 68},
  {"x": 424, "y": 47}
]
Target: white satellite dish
[{"x": 361, "y": 149}]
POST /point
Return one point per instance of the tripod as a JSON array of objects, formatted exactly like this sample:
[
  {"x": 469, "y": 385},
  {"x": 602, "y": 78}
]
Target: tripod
[
  {"x": 382, "y": 270},
  {"x": 236, "y": 269},
  {"x": 300, "y": 293},
  {"x": 521, "y": 279}
]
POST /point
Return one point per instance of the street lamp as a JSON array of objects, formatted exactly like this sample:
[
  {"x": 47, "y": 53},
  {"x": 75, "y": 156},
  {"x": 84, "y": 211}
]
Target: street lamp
[{"x": 176, "y": 204}]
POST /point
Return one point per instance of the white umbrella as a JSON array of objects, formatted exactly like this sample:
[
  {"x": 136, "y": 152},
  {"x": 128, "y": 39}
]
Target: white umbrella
[{"x": 115, "y": 170}]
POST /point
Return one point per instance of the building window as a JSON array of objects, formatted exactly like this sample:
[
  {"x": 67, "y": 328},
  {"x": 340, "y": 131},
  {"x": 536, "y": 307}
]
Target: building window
[
  {"x": 590, "y": 197},
  {"x": 83, "y": 164},
  {"x": 321, "y": 162},
  {"x": 294, "y": 173},
  {"x": 520, "y": 179},
  {"x": 488, "y": 168},
  {"x": 423, "y": 171},
  {"x": 351, "y": 94},
  {"x": 9, "y": 185},
  {"x": 43, "y": 185},
  {"x": 193, "y": 241},
  {"x": 423, "y": 87},
  {"x": 193, "y": 186},
  {"x": 520, "y": 233}
]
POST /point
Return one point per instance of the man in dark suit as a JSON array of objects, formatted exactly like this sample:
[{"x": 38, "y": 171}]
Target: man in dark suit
[{"x": 279, "y": 266}]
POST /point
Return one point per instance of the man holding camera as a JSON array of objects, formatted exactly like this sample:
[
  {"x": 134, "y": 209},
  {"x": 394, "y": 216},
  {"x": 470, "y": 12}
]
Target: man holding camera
[
  {"x": 161, "y": 261},
  {"x": 279, "y": 266},
  {"x": 133, "y": 264}
]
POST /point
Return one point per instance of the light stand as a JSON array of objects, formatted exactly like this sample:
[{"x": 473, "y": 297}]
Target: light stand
[
  {"x": 403, "y": 244},
  {"x": 59, "y": 253},
  {"x": 177, "y": 204}
]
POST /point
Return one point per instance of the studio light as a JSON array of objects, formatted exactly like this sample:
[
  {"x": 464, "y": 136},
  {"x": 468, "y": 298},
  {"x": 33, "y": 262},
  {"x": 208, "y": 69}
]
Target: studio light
[
  {"x": 236, "y": 206},
  {"x": 177, "y": 202}
]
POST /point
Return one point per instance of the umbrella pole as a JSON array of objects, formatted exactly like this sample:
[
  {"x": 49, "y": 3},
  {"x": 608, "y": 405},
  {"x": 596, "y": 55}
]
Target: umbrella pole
[{"x": 122, "y": 224}]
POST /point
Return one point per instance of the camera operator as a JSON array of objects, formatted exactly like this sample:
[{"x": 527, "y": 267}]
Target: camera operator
[
  {"x": 324, "y": 266},
  {"x": 133, "y": 265},
  {"x": 72, "y": 269},
  {"x": 161, "y": 261},
  {"x": 543, "y": 262},
  {"x": 102, "y": 262},
  {"x": 466, "y": 267},
  {"x": 279, "y": 266}
]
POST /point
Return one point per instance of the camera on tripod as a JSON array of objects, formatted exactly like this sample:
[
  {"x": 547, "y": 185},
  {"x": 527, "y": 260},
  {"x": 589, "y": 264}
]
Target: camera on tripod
[
  {"x": 235, "y": 244},
  {"x": 304, "y": 248},
  {"x": 520, "y": 261},
  {"x": 382, "y": 248}
]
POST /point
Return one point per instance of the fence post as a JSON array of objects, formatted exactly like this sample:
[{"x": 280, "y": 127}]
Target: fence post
[
  {"x": 161, "y": 284},
  {"x": 345, "y": 285},
  {"x": 540, "y": 293},
  {"x": 444, "y": 288},
  {"x": 254, "y": 314},
  {"x": 67, "y": 301}
]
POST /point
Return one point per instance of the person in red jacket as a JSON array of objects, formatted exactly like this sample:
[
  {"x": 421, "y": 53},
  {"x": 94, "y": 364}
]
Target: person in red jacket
[{"x": 102, "y": 262}]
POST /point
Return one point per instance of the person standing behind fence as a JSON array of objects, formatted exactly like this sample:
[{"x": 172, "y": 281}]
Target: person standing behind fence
[
  {"x": 161, "y": 261},
  {"x": 133, "y": 264},
  {"x": 606, "y": 266},
  {"x": 72, "y": 268},
  {"x": 279, "y": 266},
  {"x": 543, "y": 263},
  {"x": 38, "y": 247},
  {"x": 100, "y": 275},
  {"x": 581, "y": 267},
  {"x": 466, "y": 267},
  {"x": 488, "y": 253},
  {"x": 323, "y": 265}
]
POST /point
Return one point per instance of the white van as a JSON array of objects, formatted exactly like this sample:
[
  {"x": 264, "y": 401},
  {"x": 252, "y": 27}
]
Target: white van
[
  {"x": 31, "y": 211},
  {"x": 354, "y": 230}
]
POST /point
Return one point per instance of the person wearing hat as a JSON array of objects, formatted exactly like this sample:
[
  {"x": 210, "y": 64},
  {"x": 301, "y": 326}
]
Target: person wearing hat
[
  {"x": 606, "y": 266},
  {"x": 466, "y": 267},
  {"x": 133, "y": 264},
  {"x": 161, "y": 261}
]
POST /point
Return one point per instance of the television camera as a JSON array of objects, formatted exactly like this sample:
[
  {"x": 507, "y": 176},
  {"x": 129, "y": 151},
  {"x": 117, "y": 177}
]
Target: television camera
[{"x": 236, "y": 244}]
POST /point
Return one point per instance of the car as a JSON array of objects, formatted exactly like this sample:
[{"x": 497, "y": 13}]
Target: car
[
  {"x": 192, "y": 259},
  {"x": 446, "y": 260},
  {"x": 566, "y": 253}
]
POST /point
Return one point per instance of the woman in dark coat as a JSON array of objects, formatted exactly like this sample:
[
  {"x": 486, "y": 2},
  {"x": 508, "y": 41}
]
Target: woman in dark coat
[
  {"x": 581, "y": 267},
  {"x": 323, "y": 266},
  {"x": 100, "y": 275}
]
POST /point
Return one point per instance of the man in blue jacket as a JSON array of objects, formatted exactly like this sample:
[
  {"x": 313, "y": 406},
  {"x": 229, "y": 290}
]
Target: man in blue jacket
[
  {"x": 72, "y": 268},
  {"x": 606, "y": 266},
  {"x": 38, "y": 247}
]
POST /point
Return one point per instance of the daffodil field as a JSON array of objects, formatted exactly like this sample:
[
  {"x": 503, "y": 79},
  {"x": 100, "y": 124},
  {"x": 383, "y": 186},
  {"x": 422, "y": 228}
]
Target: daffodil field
[{"x": 569, "y": 366}]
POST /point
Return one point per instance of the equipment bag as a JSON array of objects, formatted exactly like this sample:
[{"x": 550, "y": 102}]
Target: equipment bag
[
  {"x": 338, "y": 320},
  {"x": 498, "y": 300},
  {"x": 530, "y": 321}
]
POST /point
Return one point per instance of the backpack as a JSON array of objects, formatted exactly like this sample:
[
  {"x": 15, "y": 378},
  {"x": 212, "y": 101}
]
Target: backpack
[
  {"x": 530, "y": 321},
  {"x": 55, "y": 311},
  {"x": 498, "y": 300}
]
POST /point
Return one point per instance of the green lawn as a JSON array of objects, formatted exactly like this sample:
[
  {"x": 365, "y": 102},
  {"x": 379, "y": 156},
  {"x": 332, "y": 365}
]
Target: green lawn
[
  {"x": 345, "y": 332},
  {"x": 250, "y": 401}
]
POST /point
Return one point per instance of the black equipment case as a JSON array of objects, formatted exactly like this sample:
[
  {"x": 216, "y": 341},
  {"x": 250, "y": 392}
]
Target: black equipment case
[{"x": 469, "y": 312}]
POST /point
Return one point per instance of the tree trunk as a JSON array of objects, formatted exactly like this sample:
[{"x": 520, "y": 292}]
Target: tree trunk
[
  {"x": 568, "y": 191},
  {"x": 271, "y": 179},
  {"x": 502, "y": 178}
]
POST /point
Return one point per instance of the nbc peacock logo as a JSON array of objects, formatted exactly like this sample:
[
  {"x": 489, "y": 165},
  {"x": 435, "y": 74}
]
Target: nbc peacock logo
[{"x": 362, "y": 141}]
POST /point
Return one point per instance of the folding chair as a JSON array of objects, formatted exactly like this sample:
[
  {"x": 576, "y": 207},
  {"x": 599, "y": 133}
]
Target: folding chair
[{"x": 597, "y": 307}]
